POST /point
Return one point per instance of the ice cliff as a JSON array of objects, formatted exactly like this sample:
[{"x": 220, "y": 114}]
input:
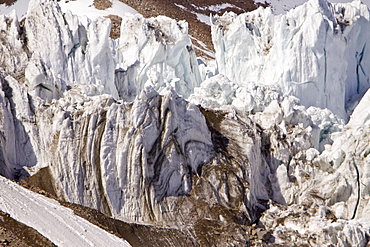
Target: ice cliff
[
  {"x": 125, "y": 158},
  {"x": 56, "y": 50},
  {"x": 156, "y": 52},
  {"x": 259, "y": 152},
  {"x": 315, "y": 52}
]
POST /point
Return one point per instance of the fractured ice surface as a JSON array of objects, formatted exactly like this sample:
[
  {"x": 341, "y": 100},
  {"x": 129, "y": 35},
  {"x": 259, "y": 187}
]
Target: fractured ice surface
[
  {"x": 315, "y": 52},
  {"x": 267, "y": 143},
  {"x": 124, "y": 158},
  {"x": 329, "y": 195},
  {"x": 57, "y": 50},
  {"x": 156, "y": 52},
  {"x": 66, "y": 50},
  {"x": 13, "y": 56}
]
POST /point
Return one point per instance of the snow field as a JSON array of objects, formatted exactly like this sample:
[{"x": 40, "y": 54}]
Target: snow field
[{"x": 59, "y": 224}]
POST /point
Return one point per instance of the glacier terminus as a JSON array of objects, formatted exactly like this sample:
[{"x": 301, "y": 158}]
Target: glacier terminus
[{"x": 266, "y": 145}]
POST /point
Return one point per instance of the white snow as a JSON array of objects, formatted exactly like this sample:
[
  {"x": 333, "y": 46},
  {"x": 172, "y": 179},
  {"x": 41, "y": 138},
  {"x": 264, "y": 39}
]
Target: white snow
[
  {"x": 181, "y": 6},
  {"x": 202, "y": 47},
  {"x": 216, "y": 7},
  {"x": 203, "y": 18},
  {"x": 86, "y": 7},
  {"x": 78, "y": 7},
  {"x": 57, "y": 223},
  {"x": 282, "y": 6}
]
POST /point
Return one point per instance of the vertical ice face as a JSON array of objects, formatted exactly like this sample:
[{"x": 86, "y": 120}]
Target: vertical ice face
[
  {"x": 16, "y": 116},
  {"x": 156, "y": 52},
  {"x": 66, "y": 50},
  {"x": 121, "y": 158},
  {"x": 13, "y": 57},
  {"x": 124, "y": 158},
  {"x": 315, "y": 51}
]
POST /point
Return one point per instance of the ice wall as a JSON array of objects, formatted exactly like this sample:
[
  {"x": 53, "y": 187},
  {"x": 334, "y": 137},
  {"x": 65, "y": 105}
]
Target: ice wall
[
  {"x": 16, "y": 149},
  {"x": 66, "y": 50},
  {"x": 54, "y": 51},
  {"x": 13, "y": 57},
  {"x": 123, "y": 158},
  {"x": 156, "y": 52},
  {"x": 315, "y": 52}
]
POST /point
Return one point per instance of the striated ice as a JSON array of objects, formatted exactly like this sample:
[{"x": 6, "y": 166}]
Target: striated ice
[
  {"x": 262, "y": 139},
  {"x": 122, "y": 152}
]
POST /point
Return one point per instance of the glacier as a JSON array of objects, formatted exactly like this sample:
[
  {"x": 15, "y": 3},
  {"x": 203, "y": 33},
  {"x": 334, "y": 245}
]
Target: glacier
[
  {"x": 155, "y": 52},
  {"x": 126, "y": 158},
  {"x": 314, "y": 52},
  {"x": 78, "y": 51},
  {"x": 269, "y": 146}
]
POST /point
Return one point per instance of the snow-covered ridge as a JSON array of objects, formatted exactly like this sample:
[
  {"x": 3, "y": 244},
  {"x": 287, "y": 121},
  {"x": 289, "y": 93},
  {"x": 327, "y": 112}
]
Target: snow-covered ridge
[
  {"x": 59, "y": 224},
  {"x": 314, "y": 52},
  {"x": 80, "y": 8}
]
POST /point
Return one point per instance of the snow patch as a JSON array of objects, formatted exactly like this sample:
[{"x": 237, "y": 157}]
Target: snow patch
[
  {"x": 79, "y": 7},
  {"x": 283, "y": 6},
  {"x": 86, "y": 8},
  {"x": 59, "y": 224},
  {"x": 216, "y": 7}
]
